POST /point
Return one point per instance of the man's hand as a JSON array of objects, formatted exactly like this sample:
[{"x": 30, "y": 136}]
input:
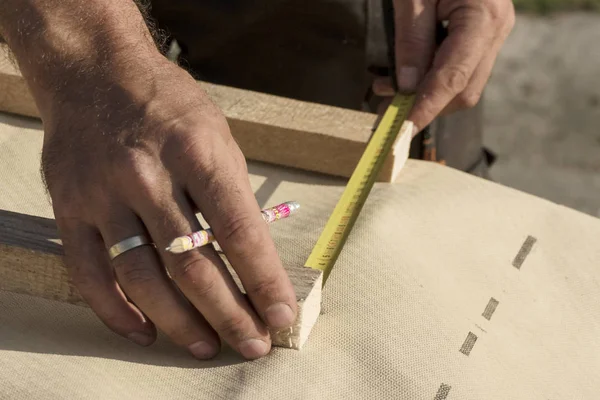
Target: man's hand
[
  {"x": 133, "y": 146},
  {"x": 453, "y": 76}
]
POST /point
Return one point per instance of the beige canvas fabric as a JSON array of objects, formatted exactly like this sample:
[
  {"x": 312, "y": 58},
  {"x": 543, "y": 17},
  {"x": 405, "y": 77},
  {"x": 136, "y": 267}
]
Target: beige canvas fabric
[{"x": 403, "y": 311}]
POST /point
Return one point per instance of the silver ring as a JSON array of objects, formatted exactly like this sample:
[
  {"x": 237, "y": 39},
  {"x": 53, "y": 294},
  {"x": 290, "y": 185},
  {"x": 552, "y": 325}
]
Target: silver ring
[{"x": 128, "y": 244}]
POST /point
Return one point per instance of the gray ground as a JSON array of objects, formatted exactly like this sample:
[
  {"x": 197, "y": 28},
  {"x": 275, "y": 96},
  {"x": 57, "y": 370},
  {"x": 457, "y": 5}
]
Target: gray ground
[{"x": 542, "y": 110}]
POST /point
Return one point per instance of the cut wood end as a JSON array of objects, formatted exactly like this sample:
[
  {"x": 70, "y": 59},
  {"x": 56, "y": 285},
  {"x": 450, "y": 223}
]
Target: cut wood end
[
  {"x": 307, "y": 283},
  {"x": 398, "y": 154},
  {"x": 401, "y": 148}
]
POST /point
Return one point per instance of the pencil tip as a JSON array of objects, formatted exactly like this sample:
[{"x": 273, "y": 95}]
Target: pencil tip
[{"x": 293, "y": 205}]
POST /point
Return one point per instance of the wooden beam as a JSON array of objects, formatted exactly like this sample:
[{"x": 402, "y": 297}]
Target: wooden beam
[
  {"x": 32, "y": 263},
  {"x": 14, "y": 94},
  {"x": 268, "y": 128}
]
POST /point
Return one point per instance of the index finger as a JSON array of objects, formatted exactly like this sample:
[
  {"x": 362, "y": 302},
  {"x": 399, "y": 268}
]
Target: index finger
[
  {"x": 229, "y": 206},
  {"x": 453, "y": 65}
]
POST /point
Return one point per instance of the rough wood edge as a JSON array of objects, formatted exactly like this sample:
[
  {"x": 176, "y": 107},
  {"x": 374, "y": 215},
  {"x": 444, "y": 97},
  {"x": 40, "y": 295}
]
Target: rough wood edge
[
  {"x": 268, "y": 128},
  {"x": 31, "y": 263},
  {"x": 307, "y": 284}
]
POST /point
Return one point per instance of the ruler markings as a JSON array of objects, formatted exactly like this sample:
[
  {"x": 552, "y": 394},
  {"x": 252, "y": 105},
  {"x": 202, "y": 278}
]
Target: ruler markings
[{"x": 345, "y": 213}]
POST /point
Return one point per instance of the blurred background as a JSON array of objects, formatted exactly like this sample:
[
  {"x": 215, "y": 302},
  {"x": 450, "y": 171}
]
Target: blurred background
[{"x": 542, "y": 104}]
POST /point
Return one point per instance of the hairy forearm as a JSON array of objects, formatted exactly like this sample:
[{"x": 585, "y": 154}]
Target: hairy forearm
[{"x": 57, "y": 42}]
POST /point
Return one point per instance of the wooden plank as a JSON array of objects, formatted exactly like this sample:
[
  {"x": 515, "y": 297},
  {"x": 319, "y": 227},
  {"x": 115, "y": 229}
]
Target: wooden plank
[
  {"x": 14, "y": 94},
  {"x": 32, "y": 264},
  {"x": 268, "y": 128}
]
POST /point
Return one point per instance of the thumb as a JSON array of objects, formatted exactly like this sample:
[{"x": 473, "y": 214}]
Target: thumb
[{"x": 415, "y": 27}]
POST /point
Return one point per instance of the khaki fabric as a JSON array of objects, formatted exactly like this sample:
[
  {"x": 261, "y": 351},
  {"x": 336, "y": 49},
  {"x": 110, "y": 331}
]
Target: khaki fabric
[{"x": 409, "y": 291}]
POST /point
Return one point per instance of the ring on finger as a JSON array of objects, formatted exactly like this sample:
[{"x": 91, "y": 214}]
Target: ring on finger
[{"x": 128, "y": 244}]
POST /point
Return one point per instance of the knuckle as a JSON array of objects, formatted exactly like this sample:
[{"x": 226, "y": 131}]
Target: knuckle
[
  {"x": 202, "y": 152},
  {"x": 241, "y": 229},
  {"x": 132, "y": 165},
  {"x": 468, "y": 99},
  {"x": 198, "y": 271},
  {"x": 198, "y": 161},
  {"x": 204, "y": 173},
  {"x": 135, "y": 273},
  {"x": 206, "y": 159},
  {"x": 454, "y": 79},
  {"x": 139, "y": 177},
  {"x": 495, "y": 11},
  {"x": 194, "y": 145},
  {"x": 412, "y": 42},
  {"x": 125, "y": 159},
  {"x": 499, "y": 13},
  {"x": 148, "y": 186},
  {"x": 232, "y": 327},
  {"x": 264, "y": 287},
  {"x": 510, "y": 20},
  {"x": 203, "y": 160}
]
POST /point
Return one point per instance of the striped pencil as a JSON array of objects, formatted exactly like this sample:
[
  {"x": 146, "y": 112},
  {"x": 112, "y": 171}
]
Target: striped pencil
[{"x": 204, "y": 237}]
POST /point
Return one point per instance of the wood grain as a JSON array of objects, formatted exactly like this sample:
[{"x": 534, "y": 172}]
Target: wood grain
[
  {"x": 268, "y": 128},
  {"x": 31, "y": 263}
]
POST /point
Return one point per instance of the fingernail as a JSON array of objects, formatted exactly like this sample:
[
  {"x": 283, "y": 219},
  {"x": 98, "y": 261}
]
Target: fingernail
[
  {"x": 141, "y": 338},
  {"x": 202, "y": 350},
  {"x": 383, "y": 87},
  {"x": 253, "y": 348},
  {"x": 279, "y": 316},
  {"x": 408, "y": 78}
]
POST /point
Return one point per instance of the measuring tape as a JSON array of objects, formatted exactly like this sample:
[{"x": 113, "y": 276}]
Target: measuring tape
[{"x": 339, "y": 225}]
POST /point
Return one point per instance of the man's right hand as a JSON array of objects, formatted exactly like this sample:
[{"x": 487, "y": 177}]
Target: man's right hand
[{"x": 133, "y": 146}]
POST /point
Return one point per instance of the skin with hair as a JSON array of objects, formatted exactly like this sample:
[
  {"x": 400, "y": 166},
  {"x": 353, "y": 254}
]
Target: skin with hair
[{"x": 133, "y": 146}]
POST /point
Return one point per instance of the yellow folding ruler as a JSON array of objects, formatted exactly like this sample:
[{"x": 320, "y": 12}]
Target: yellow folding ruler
[{"x": 339, "y": 225}]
